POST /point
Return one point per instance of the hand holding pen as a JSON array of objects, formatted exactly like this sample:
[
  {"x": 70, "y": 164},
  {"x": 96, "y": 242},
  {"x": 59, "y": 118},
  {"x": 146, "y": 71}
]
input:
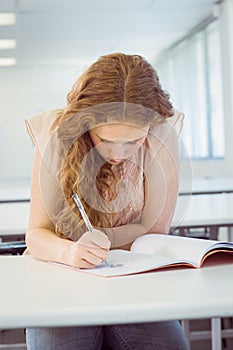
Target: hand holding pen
[{"x": 93, "y": 244}]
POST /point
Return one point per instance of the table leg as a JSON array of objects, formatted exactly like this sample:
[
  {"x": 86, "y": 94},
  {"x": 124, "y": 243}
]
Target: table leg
[
  {"x": 230, "y": 234},
  {"x": 186, "y": 328},
  {"x": 213, "y": 232},
  {"x": 216, "y": 339}
]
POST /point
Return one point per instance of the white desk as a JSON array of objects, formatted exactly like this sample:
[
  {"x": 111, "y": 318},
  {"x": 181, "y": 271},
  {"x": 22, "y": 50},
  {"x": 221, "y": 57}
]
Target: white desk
[
  {"x": 209, "y": 210},
  {"x": 14, "y": 195},
  {"x": 207, "y": 185},
  {"x": 49, "y": 295},
  {"x": 13, "y": 218},
  {"x": 15, "y": 191},
  {"x": 19, "y": 191}
]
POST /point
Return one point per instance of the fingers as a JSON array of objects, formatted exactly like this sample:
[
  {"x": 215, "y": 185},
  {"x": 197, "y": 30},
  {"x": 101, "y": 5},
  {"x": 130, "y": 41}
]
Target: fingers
[
  {"x": 83, "y": 264},
  {"x": 82, "y": 256},
  {"x": 92, "y": 259},
  {"x": 95, "y": 238},
  {"x": 94, "y": 255},
  {"x": 89, "y": 251}
]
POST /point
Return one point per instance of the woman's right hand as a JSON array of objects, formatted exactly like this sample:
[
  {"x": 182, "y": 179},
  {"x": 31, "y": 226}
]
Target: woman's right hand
[{"x": 89, "y": 251}]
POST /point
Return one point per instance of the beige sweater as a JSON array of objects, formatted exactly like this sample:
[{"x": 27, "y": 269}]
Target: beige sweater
[{"x": 148, "y": 183}]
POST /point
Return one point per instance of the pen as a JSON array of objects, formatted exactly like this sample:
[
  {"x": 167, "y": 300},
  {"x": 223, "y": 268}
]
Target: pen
[
  {"x": 81, "y": 209},
  {"x": 79, "y": 205}
]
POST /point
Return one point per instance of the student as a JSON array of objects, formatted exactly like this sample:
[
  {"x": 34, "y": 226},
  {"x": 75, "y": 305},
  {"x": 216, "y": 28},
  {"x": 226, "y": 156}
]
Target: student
[{"x": 115, "y": 144}]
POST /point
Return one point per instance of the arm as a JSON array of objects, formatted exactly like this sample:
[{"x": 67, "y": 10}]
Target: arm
[
  {"x": 43, "y": 242},
  {"x": 162, "y": 187}
]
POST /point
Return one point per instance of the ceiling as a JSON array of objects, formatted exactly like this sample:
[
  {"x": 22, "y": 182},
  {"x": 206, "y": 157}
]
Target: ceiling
[{"x": 76, "y": 32}]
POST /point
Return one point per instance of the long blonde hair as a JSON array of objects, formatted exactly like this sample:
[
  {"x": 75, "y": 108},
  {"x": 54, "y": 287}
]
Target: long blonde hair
[{"x": 116, "y": 88}]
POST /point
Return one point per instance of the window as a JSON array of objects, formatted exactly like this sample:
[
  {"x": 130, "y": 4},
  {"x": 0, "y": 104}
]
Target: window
[{"x": 191, "y": 73}]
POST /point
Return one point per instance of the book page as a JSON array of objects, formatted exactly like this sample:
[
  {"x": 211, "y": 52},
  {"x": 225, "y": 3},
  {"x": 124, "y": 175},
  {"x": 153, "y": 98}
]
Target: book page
[
  {"x": 174, "y": 247},
  {"x": 151, "y": 252},
  {"x": 123, "y": 262}
]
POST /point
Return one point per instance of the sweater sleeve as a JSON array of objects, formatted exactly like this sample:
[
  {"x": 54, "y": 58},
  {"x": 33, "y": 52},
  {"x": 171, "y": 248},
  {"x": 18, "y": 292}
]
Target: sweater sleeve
[
  {"x": 40, "y": 126},
  {"x": 41, "y": 129}
]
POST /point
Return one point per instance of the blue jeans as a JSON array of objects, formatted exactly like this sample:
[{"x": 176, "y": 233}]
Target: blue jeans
[{"x": 143, "y": 336}]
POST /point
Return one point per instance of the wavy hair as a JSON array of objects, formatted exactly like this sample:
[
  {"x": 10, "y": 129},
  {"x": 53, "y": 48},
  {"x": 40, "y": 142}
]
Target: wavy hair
[{"x": 116, "y": 88}]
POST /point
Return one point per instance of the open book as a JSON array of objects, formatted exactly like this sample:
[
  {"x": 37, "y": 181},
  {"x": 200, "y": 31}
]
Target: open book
[{"x": 155, "y": 251}]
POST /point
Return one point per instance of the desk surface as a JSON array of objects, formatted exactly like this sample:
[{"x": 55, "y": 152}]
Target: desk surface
[
  {"x": 13, "y": 218},
  {"x": 20, "y": 190},
  {"x": 204, "y": 210},
  {"x": 207, "y": 185},
  {"x": 34, "y": 293},
  {"x": 13, "y": 191},
  {"x": 195, "y": 211}
]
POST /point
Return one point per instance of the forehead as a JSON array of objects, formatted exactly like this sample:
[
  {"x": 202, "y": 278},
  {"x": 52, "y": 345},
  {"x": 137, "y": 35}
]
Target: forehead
[{"x": 119, "y": 130}]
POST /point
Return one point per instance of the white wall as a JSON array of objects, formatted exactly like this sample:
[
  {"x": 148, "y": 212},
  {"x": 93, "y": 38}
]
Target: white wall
[
  {"x": 28, "y": 90},
  {"x": 24, "y": 92},
  {"x": 226, "y": 21},
  {"x": 220, "y": 168}
]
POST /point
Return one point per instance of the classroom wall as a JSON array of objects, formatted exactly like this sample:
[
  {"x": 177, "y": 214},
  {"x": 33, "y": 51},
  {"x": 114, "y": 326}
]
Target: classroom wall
[
  {"x": 28, "y": 90},
  {"x": 223, "y": 167},
  {"x": 227, "y": 71},
  {"x": 25, "y": 91}
]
